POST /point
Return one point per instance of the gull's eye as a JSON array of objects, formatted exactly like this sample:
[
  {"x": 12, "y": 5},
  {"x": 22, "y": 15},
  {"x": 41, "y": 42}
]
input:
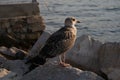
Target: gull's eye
[{"x": 73, "y": 19}]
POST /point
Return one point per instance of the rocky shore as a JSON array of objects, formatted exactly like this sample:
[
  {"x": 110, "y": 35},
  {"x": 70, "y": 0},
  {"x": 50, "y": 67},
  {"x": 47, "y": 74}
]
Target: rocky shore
[{"x": 89, "y": 59}]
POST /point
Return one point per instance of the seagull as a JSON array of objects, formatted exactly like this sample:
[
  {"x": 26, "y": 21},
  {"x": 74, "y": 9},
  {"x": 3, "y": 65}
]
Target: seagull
[{"x": 57, "y": 44}]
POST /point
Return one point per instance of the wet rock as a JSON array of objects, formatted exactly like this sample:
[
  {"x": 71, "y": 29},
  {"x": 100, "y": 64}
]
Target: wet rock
[
  {"x": 54, "y": 71},
  {"x": 109, "y": 56},
  {"x": 84, "y": 54}
]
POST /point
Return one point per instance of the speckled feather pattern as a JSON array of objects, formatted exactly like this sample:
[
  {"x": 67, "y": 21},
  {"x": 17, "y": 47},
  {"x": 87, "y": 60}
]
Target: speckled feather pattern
[{"x": 59, "y": 42}]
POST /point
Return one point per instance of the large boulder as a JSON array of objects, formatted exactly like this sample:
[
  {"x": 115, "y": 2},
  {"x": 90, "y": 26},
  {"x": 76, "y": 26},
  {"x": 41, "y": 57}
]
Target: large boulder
[
  {"x": 109, "y": 57},
  {"x": 84, "y": 53},
  {"x": 21, "y": 31},
  {"x": 53, "y": 71}
]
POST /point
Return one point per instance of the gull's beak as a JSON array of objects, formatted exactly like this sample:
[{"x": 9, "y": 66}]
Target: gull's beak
[{"x": 78, "y": 22}]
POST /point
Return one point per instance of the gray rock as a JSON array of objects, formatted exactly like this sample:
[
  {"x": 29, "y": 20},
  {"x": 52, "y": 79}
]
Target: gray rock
[
  {"x": 12, "y": 53},
  {"x": 8, "y": 75},
  {"x": 109, "y": 57},
  {"x": 84, "y": 54},
  {"x": 2, "y": 60},
  {"x": 21, "y": 54},
  {"x": 5, "y": 50},
  {"x": 87, "y": 75},
  {"x": 16, "y": 66},
  {"x": 54, "y": 71},
  {"x": 3, "y": 72},
  {"x": 114, "y": 74},
  {"x": 39, "y": 44}
]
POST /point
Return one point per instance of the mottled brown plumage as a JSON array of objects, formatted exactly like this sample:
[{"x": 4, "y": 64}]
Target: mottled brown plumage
[{"x": 58, "y": 43}]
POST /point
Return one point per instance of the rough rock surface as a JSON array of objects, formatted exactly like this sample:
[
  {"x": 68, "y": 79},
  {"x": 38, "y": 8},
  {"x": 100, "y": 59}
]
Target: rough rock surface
[
  {"x": 12, "y": 53},
  {"x": 21, "y": 31},
  {"x": 8, "y": 75},
  {"x": 50, "y": 71},
  {"x": 39, "y": 44},
  {"x": 87, "y": 54},
  {"x": 2, "y": 60},
  {"x": 3, "y": 72},
  {"x": 16, "y": 66},
  {"x": 109, "y": 56},
  {"x": 54, "y": 71},
  {"x": 84, "y": 54}
]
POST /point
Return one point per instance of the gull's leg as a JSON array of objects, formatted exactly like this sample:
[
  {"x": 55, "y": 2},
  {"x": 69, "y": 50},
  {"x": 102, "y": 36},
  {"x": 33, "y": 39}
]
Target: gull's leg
[
  {"x": 62, "y": 60},
  {"x": 63, "y": 57}
]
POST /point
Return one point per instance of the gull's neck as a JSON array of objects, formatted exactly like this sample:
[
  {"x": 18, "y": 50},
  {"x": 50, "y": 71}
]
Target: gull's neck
[
  {"x": 74, "y": 29},
  {"x": 71, "y": 25}
]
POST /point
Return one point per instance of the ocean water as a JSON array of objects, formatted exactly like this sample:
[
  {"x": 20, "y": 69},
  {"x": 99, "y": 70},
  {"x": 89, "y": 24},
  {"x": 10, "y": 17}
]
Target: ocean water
[
  {"x": 14, "y": 1},
  {"x": 99, "y": 18}
]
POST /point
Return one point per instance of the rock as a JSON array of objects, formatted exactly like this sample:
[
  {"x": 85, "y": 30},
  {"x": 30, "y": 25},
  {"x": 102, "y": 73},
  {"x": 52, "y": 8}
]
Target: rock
[
  {"x": 114, "y": 74},
  {"x": 109, "y": 57},
  {"x": 8, "y": 53},
  {"x": 87, "y": 75},
  {"x": 54, "y": 71},
  {"x": 16, "y": 66},
  {"x": 36, "y": 23},
  {"x": 8, "y": 75},
  {"x": 2, "y": 60},
  {"x": 21, "y": 32},
  {"x": 39, "y": 44},
  {"x": 3, "y": 72},
  {"x": 84, "y": 54},
  {"x": 20, "y": 55},
  {"x": 7, "y": 40},
  {"x": 12, "y": 53}
]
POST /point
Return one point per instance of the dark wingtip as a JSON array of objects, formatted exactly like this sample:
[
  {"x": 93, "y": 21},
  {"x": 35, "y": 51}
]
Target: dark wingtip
[{"x": 34, "y": 62}]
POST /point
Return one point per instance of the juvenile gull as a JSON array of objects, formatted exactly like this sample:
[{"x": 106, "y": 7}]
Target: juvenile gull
[{"x": 57, "y": 44}]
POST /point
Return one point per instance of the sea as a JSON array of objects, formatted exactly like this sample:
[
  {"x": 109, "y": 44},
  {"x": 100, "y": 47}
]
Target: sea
[{"x": 99, "y": 18}]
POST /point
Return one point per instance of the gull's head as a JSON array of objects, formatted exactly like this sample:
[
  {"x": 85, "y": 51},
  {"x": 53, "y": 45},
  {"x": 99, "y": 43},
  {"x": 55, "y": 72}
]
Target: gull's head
[{"x": 71, "y": 21}]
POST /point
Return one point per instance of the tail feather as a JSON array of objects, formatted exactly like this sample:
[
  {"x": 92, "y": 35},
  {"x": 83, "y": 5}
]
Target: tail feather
[{"x": 35, "y": 62}]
